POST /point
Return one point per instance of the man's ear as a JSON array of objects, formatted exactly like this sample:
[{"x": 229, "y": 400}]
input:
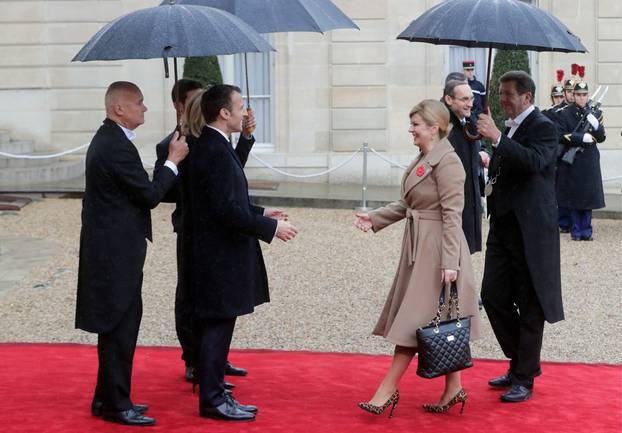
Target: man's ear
[
  {"x": 447, "y": 99},
  {"x": 224, "y": 113},
  {"x": 118, "y": 110}
]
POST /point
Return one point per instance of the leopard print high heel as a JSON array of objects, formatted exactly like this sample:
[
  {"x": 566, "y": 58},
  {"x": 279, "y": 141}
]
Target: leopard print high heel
[
  {"x": 377, "y": 410},
  {"x": 460, "y": 397}
]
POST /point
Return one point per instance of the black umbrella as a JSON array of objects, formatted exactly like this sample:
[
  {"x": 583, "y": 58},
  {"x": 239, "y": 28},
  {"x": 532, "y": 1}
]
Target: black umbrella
[
  {"x": 502, "y": 24},
  {"x": 172, "y": 31},
  {"x": 273, "y": 16}
]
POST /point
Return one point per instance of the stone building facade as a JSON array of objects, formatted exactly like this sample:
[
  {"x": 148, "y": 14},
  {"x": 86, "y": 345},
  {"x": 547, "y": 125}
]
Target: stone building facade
[{"x": 327, "y": 94}]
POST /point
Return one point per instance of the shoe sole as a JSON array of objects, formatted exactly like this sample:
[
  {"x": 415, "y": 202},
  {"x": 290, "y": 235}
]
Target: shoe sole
[
  {"x": 217, "y": 418},
  {"x": 116, "y": 421},
  {"x": 515, "y": 401}
]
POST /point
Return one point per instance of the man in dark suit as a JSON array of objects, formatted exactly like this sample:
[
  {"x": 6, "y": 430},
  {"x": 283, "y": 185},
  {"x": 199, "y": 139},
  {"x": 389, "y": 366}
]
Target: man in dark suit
[
  {"x": 458, "y": 98},
  {"x": 116, "y": 221},
  {"x": 521, "y": 286},
  {"x": 182, "y": 91},
  {"x": 222, "y": 257}
]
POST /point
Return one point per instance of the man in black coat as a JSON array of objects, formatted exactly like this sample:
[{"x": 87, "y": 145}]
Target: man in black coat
[
  {"x": 116, "y": 221},
  {"x": 222, "y": 257},
  {"x": 580, "y": 183},
  {"x": 522, "y": 285},
  {"x": 458, "y": 98},
  {"x": 182, "y": 91}
]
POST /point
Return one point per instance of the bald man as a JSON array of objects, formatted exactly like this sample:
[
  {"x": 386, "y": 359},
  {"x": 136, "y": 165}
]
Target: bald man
[{"x": 116, "y": 222}]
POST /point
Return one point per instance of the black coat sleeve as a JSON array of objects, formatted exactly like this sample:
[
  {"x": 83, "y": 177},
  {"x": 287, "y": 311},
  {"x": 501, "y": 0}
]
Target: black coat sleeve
[
  {"x": 132, "y": 177},
  {"x": 243, "y": 148},
  {"x": 172, "y": 195}
]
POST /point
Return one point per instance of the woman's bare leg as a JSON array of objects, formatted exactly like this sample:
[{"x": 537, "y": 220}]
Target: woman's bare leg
[{"x": 401, "y": 361}]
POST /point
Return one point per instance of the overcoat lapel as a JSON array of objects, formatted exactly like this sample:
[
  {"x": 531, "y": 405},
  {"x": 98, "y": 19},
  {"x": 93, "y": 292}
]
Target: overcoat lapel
[{"x": 423, "y": 165}]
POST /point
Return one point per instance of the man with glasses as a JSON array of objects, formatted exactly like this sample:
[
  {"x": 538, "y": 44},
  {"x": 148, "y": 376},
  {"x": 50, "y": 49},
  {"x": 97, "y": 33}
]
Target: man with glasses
[{"x": 458, "y": 97}]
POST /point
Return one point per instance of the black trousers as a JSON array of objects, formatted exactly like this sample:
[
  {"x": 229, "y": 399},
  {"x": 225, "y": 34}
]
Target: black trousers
[
  {"x": 510, "y": 300},
  {"x": 115, "y": 352},
  {"x": 184, "y": 307},
  {"x": 215, "y": 339}
]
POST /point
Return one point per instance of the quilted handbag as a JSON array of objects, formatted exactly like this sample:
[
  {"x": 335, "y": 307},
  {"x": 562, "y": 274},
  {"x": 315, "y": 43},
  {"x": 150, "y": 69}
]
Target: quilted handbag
[{"x": 444, "y": 345}]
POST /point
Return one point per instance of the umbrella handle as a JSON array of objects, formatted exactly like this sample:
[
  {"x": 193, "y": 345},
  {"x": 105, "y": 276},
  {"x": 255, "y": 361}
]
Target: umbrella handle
[{"x": 468, "y": 135}]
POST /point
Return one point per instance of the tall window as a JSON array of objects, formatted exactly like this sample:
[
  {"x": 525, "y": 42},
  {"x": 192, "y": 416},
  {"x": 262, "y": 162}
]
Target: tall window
[{"x": 260, "y": 73}]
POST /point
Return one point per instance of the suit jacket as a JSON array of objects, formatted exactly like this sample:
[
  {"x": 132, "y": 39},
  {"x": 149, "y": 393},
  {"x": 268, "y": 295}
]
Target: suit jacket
[
  {"x": 242, "y": 150},
  {"x": 116, "y": 220},
  {"x": 468, "y": 151},
  {"x": 223, "y": 263},
  {"x": 526, "y": 186}
]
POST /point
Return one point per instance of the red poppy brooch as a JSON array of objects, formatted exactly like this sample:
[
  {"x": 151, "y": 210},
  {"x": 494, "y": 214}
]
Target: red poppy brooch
[{"x": 420, "y": 171}]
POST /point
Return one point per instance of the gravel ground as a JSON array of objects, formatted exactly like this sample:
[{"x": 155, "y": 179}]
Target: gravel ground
[{"x": 327, "y": 287}]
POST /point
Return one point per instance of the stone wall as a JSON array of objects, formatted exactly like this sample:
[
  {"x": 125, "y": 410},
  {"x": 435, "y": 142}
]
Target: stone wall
[{"x": 331, "y": 92}]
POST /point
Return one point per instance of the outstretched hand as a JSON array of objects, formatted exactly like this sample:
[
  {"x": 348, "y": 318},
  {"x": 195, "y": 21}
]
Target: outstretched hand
[
  {"x": 363, "y": 222},
  {"x": 277, "y": 214},
  {"x": 285, "y": 231}
]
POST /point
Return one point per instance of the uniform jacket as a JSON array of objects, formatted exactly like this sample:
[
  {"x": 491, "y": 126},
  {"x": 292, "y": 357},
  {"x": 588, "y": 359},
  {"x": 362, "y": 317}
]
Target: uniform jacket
[
  {"x": 580, "y": 185},
  {"x": 116, "y": 220},
  {"x": 223, "y": 263},
  {"x": 479, "y": 91},
  {"x": 526, "y": 186},
  {"x": 432, "y": 198}
]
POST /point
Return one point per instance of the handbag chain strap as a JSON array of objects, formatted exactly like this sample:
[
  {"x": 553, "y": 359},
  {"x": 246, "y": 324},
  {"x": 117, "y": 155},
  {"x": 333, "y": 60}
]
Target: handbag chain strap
[{"x": 453, "y": 304}]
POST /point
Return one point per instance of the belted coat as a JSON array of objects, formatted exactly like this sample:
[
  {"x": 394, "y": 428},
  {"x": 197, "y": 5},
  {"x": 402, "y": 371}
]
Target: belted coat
[{"x": 432, "y": 198}]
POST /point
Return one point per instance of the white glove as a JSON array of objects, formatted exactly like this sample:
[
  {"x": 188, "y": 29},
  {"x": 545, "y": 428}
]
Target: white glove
[
  {"x": 587, "y": 138},
  {"x": 593, "y": 120}
]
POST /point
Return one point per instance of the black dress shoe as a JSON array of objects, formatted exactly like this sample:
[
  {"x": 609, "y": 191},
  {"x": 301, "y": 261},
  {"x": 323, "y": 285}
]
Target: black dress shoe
[
  {"x": 564, "y": 230},
  {"x": 516, "y": 394},
  {"x": 229, "y": 385},
  {"x": 245, "y": 407},
  {"x": 228, "y": 411},
  {"x": 97, "y": 408},
  {"x": 504, "y": 381},
  {"x": 129, "y": 417},
  {"x": 231, "y": 370},
  {"x": 189, "y": 374}
]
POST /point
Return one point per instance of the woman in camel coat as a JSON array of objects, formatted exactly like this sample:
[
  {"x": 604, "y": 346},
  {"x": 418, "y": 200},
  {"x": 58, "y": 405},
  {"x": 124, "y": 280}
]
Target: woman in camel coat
[{"x": 434, "y": 253}]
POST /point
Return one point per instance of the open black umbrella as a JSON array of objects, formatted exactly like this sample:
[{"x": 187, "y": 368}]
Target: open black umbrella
[
  {"x": 172, "y": 31},
  {"x": 501, "y": 24},
  {"x": 273, "y": 16}
]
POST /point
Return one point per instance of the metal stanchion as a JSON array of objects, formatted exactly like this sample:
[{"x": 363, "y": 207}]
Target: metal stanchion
[{"x": 364, "y": 207}]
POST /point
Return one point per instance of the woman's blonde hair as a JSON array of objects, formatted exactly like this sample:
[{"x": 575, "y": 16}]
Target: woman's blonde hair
[
  {"x": 192, "y": 121},
  {"x": 433, "y": 113}
]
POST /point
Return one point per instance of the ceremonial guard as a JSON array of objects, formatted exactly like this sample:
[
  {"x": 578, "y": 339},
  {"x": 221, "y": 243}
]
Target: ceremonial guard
[
  {"x": 479, "y": 91},
  {"x": 579, "y": 180},
  {"x": 557, "y": 96}
]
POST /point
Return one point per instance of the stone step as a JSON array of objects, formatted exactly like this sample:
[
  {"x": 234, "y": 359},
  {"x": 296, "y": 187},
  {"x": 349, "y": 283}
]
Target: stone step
[
  {"x": 24, "y": 163},
  {"x": 17, "y": 147},
  {"x": 4, "y": 137},
  {"x": 62, "y": 170}
]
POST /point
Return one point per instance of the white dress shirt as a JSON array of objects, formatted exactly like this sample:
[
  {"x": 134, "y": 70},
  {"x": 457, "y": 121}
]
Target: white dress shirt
[{"x": 513, "y": 124}]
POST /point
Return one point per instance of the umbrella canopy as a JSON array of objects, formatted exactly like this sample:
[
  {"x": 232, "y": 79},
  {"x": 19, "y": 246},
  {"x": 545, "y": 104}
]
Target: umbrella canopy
[
  {"x": 503, "y": 24},
  {"x": 172, "y": 31},
  {"x": 271, "y": 16}
]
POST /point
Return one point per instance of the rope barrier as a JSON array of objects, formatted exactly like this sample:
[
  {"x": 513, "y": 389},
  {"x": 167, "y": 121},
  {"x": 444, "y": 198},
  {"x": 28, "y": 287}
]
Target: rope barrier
[
  {"x": 53, "y": 155},
  {"x": 611, "y": 179},
  {"x": 304, "y": 176},
  {"x": 387, "y": 160}
]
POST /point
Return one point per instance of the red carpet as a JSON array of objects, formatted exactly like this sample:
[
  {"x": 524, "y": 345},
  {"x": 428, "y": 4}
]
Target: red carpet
[{"x": 47, "y": 388}]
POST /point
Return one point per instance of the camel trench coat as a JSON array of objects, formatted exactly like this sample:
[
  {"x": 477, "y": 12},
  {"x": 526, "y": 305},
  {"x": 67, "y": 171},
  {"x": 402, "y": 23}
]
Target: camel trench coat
[{"x": 432, "y": 199}]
